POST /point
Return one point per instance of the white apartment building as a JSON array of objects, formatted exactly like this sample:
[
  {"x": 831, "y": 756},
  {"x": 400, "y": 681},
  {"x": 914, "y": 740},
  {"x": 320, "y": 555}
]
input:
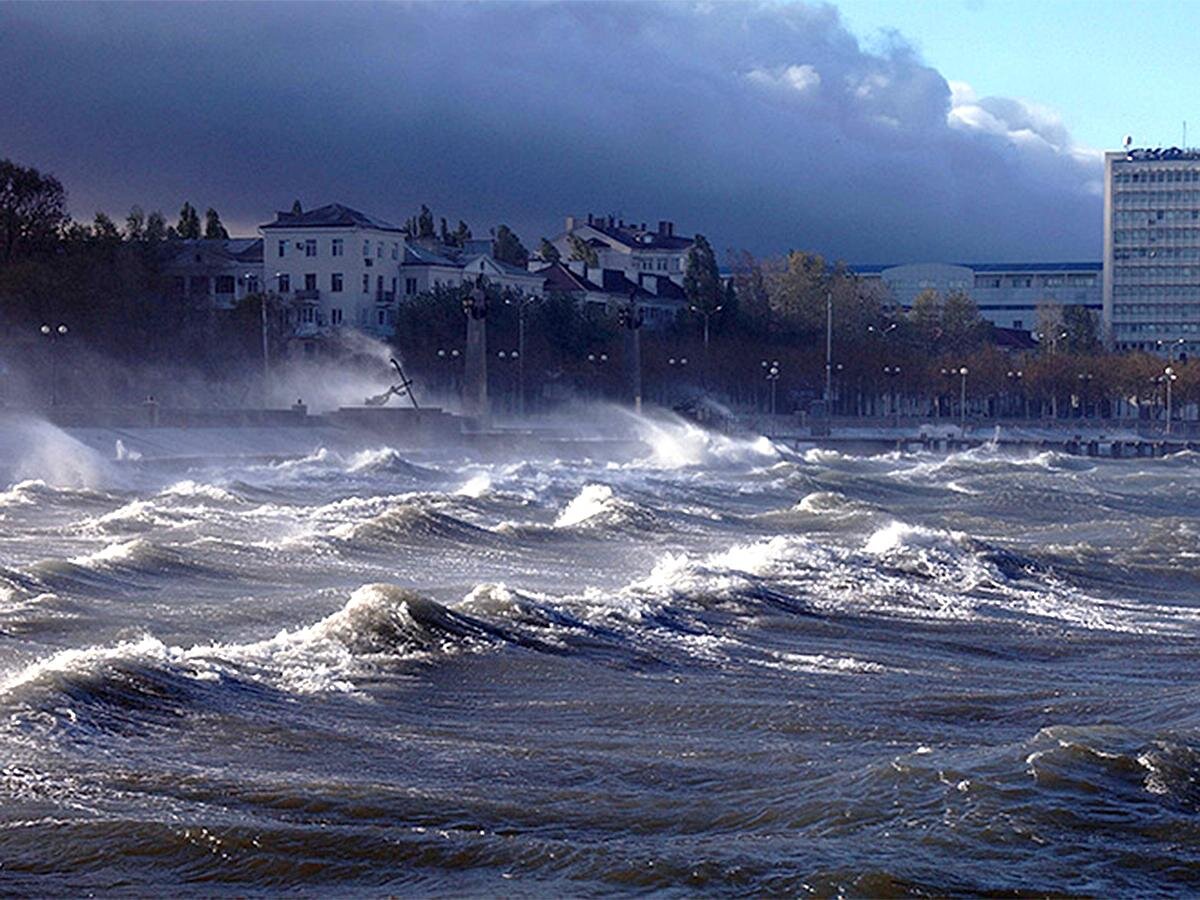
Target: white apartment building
[
  {"x": 1151, "y": 293},
  {"x": 643, "y": 255},
  {"x": 340, "y": 267},
  {"x": 1007, "y": 294}
]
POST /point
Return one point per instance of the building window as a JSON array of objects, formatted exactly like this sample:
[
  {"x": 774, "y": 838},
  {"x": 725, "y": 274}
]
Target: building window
[
  {"x": 366, "y": 283},
  {"x": 199, "y": 284},
  {"x": 310, "y": 247},
  {"x": 308, "y": 315},
  {"x": 338, "y": 247},
  {"x": 410, "y": 285},
  {"x": 335, "y": 282},
  {"x": 282, "y": 248},
  {"x": 310, "y": 281},
  {"x": 395, "y": 251},
  {"x": 285, "y": 283},
  {"x": 335, "y": 315},
  {"x": 379, "y": 250},
  {"x": 1018, "y": 324},
  {"x": 224, "y": 284},
  {"x": 381, "y": 316},
  {"x": 180, "y": 285},
  {"x": 379, "y": 286},
  {"x": 393, "y": 287},
  {"x": 366, "y": 248}
]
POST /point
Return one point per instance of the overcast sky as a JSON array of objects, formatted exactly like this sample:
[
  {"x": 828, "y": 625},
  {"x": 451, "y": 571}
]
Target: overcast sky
[{"x": 764, "y": 126}]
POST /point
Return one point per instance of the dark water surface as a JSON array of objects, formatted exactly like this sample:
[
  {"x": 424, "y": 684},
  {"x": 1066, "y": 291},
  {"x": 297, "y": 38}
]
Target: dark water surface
[{"x": 724, "y": 668}]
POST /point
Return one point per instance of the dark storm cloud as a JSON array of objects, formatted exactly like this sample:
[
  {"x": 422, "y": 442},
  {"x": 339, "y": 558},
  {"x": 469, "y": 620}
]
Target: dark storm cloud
[{"x": 765, "y": 126}]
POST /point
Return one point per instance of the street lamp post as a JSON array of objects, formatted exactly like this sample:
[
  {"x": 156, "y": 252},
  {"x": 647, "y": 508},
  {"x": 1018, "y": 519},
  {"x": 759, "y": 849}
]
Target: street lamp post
[
  {"x": 1168, "y": 377},
  {"x": 677, "y": 364},
  {"x": 450, "y": 357},
  {"x": 893, "y": 373},
  {"x": 771, "y": 371},
  {"x": 54, "y": 334},
  {"x": 512, "y": 356},
  {"x": 961, "y": 372},
  {"x": 597, "y": 360},
  {"x": 707, "y": 314},
  {"x": 828, "y": 353},
  {"x": 1015, "y": 377},
  {"x": 522, "y": 303},
  {"x": 1085, "y": 382}
]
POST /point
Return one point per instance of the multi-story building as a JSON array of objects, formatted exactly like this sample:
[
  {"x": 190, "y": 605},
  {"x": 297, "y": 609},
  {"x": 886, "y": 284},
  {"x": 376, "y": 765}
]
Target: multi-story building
[
  {"x": 213, "y": 273},
  {"x": 643, "y": 255},
  {"x": 340, "y": 267},
  {"x": 1151, "y": 292},
  {"x": 1007, "y": 294}
]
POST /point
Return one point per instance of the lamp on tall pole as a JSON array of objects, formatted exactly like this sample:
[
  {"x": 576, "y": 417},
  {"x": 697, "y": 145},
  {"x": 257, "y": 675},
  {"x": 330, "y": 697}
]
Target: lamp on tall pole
[
  {"x": 1168, "y": 377},
  {"x": 522, "y": 304},
  {"x": 828, "y": 351},
  {"x": 55, "y": 333},
  {"x": 771, "y": 371},
  {"x": 893, "y": 373},
  {"x": 1015, "y": 377}
]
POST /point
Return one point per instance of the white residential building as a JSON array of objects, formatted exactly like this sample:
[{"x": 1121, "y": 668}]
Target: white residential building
[
  {"x": 1151, "y": 290},
  {"x": 642, "y": 254},
  {"x": 339, "y": 266}
]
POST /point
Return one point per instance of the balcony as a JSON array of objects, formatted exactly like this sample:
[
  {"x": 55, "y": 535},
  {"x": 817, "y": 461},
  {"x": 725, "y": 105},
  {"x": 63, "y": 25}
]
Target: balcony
[
  {"x": 385, "y": 296},
  {"x": 310, "y": 295}
]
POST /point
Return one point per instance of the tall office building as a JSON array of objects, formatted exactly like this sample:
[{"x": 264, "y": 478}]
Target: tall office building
[{"x": 1151, "y": 292}]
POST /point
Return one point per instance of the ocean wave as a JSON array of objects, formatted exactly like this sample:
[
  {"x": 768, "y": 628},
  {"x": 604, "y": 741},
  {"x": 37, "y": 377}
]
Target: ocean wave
[
  {"x": 35, "y": 492},
  {"x": 1116, "y": 760},
  {"x": 378, "y": 624},
  {"x": 596, "y": 506},
  {"x": 133, "y": 564},
  {"x": 680, "y": 444},
  {"x": 408, "y": 522},
  {"x": 385, "y": 460}
]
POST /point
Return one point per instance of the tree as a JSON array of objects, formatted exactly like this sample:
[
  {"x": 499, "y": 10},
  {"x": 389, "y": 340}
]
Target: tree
[
  {"x": 297, "y": 209},
  {"x": 444, "y": 233},
  {"x": 213, "y": 229},
  {"x": 105, "y": 229},
  {"x": 582, "y": 251},
  {"x": 425, "y": 222},
  {"x": 156, "y": 227},
  {"x": 33, "y": 207},
  {"x": 701, "y": 279},
  {"x": 548, "y": 251},
  {"x": 754, "y": 301},
  {"x": 962, "y": 325},
  {"x": 135, "y": 224},
  {"x": 188, "y": 227},
  {"x": 1082, "y": 326},
  {"x": 507, "y": 247},
  {"x": 461, "y": 234}
]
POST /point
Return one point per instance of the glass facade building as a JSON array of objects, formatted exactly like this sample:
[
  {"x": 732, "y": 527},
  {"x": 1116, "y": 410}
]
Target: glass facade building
[{"x": 1152, "y": 250}]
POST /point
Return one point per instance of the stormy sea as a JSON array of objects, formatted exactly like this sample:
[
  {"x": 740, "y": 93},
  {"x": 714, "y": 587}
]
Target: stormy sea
[{"x": 705, "y": 665}]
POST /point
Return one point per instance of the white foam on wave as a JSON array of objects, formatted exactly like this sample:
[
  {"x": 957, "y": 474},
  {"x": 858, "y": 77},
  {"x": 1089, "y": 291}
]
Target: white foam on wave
[
  {"x": 375, "y": 623},
  {"x": 477, "y": 485},
  {"x": 115, "y": 553},
  {"x": 680, "y": 444},
  {"x": 202, "y": 491},
  {"x": 593, "y": 500}
]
